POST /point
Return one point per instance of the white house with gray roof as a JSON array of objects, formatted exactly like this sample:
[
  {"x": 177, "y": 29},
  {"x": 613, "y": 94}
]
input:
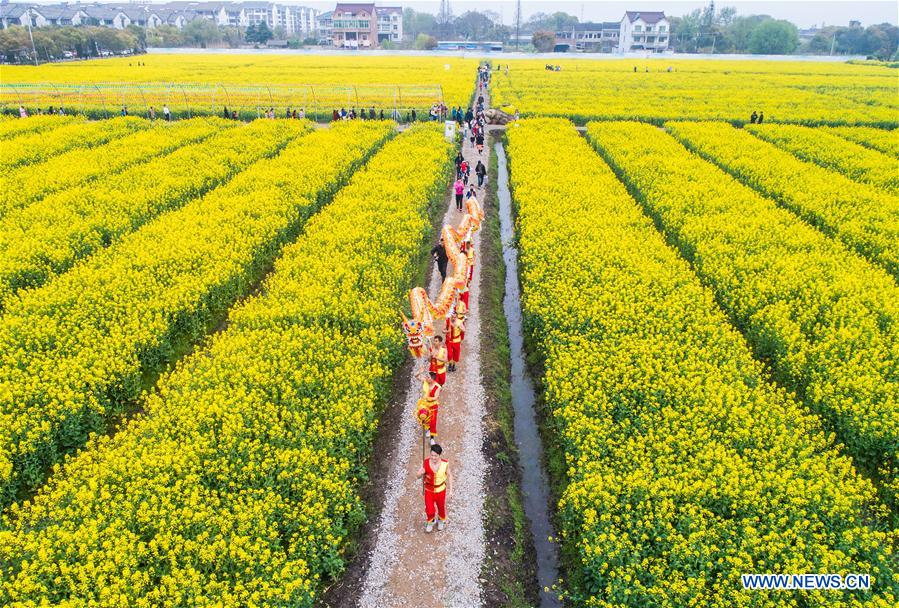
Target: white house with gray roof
[{"x": 644, "y": 31}]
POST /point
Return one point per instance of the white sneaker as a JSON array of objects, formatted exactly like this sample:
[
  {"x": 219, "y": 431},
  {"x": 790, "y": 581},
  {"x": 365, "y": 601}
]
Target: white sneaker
[
  {"x": 429, "y": 527},
  {"x": 440, "y": 525}
]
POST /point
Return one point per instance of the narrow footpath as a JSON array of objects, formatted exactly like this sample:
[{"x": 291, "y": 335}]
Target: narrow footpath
[{"x": 407, "y": 566}]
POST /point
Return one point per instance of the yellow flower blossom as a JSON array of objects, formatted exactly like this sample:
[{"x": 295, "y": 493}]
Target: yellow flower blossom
[{"x": 690, "y": 467}]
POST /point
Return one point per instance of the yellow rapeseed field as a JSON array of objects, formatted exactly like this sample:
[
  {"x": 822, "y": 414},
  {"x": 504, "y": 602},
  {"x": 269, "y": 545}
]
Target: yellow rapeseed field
[
  {"x": 826, "y": 319},
  {"x": 801, "y": 92},
  {"x": 199, "y": 319},
  {"x": 208, "y": 83},
  {"x": 75, "y": 350},
  {"x": 685, "y": 466},
  {"x": 864, "y": 217},
  {"x": 239, "y": 484}
]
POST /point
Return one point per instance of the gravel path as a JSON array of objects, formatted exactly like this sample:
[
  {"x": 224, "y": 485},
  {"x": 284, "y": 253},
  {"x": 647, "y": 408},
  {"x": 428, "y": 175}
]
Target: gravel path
[{"x": 407, "y": 566}]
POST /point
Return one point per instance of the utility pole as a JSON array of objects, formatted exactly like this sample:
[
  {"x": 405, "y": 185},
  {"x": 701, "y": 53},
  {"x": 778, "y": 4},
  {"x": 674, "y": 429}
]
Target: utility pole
[
  {"x": 445, "y": 18},
  {"x": 833, "y": 42},
  {"x": 517, "y": 23},
  {"x": 33, "y": 50}
]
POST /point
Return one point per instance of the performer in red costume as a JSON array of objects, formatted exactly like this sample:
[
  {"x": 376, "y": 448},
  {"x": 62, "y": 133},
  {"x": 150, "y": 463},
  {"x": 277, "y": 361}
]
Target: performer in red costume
[
  {"x": 438, "y": 487},
  {"x": 438, "y": 360},
  {"x": 454, "y": 341},
  {"x": 430, "y": 399},
  {"x": 469, "y": 253}
]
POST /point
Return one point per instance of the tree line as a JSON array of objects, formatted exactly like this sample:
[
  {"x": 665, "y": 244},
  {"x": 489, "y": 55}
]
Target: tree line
[
  {"x": 707, "y": 30},
  {"x": 723, "y": 31},
  {"x": 52, "y": 43}
]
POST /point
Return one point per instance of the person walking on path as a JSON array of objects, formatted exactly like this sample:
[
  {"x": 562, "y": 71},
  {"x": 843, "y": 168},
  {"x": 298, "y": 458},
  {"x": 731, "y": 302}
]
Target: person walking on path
[
  {"x": 465, "y": 170},
  {"x": 439, "y": 253},
  {"x": 481, "y": 171},
  {"x": 430, "y": 400},
  {"x": 152, "y": 113},
  {"x": 761, "y": 117},
  {"x": 438, "y": 360},
  {"x": 166, "y": 113},
  {"x": 753, "y": 118},
  {"x": 437, "y": 488},
  {"x": 479, "y": 141},
  {"x": 459, "y": 160},
  {"x": 459, "y": 189}
]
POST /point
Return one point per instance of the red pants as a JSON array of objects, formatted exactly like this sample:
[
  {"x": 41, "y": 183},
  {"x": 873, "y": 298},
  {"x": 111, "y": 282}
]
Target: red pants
[
  {"x": 441, "y": 378},
  {"x": 433, "y": 426},
  {"x": 435, "y": 502},
  {"x": 453, "y": 350},
  {"x": 464, "y": 297}
]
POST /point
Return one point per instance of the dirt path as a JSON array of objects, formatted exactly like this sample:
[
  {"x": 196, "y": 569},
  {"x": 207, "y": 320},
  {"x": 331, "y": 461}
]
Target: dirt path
[{"x": 409, "y": 567}]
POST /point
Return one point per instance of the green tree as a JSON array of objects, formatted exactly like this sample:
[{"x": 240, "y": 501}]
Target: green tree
[
  {"x": 232, "y": 36},
  {"x": 882, "y": 40},
  {"x": 549, "y": 22},
  {"x": 140, "y": 34},
  {"x": 685, "y": 31},
  {"x": 473, "y": 25},
  {"x": 415, "y": 23},
  {"x": 200, "y": 32},
  {"x": 774, "y": 37},
  {"x": 165, "y": 36},
  {"x": 14, "y": 43},
  {"x": 544, "y": 41},
  {"x": 741, "y": 29},
  {"x": 263, "y": 33},
  {"x": 425, "y": 43}
]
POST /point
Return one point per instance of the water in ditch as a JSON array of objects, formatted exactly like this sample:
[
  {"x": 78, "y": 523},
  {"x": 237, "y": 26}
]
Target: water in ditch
[{"x": 534, "y": 487}]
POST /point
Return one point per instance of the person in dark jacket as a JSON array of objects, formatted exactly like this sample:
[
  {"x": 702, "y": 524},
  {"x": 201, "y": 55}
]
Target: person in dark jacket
[
  {"x": 439, "y": 254},
  {"x": 481, "y": 171},
  {"x": 761, "y": 117},
  {"x": 753, "y": 118}
]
